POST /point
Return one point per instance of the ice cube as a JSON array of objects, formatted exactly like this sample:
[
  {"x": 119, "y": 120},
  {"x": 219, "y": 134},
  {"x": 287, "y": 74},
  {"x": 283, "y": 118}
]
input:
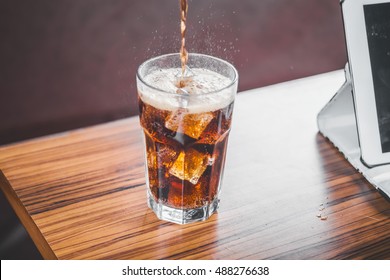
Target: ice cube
[
  {"x": 189, "y": 165},
  {"x": 188, "y": 73},
  {"x": 185, "y": 80},
  {"x": 182, "y": 99},
  {"x": 159, "y": 158},
  {"x": 152, "y": 168},
  {"x": 191, "y": 197},
  {"x": 151, "y": 155},
  {"x": 166, "y": 155},
  {"x": 190, "y": 124},
  {"x": 151, "y": 158}
]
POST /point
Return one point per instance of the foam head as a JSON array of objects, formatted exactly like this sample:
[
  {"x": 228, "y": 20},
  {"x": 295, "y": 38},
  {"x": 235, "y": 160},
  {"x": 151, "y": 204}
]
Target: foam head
[{"x": 202, "y": 91}]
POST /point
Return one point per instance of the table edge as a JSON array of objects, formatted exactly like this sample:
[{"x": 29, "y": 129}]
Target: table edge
[{"x": 27, "y": 221}]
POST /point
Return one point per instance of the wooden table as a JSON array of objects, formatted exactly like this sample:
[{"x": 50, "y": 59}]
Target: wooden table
[{"x": 287, "y": 193}]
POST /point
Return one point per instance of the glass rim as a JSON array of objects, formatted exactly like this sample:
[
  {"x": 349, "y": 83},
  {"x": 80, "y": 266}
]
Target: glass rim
[{"x": 235, "y": 79}]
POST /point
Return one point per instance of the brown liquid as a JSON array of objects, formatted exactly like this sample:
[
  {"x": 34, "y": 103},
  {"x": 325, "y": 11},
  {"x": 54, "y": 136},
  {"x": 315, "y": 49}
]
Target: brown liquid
[
  {"x": 183, "y": 28},
  {"x": 185, "y": 154}
]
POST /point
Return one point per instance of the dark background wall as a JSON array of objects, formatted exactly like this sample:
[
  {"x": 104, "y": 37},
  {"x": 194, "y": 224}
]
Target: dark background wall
[
  {"x": 70, "y": 63},
  {"x": 65, "y": 64}
]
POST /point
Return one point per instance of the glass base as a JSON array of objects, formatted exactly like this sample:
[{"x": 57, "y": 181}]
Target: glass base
[{"x": 182, "y": 216}]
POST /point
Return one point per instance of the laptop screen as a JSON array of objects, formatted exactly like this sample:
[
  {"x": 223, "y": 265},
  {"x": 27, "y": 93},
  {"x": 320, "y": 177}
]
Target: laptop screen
[{"x": 377, "y": 19}]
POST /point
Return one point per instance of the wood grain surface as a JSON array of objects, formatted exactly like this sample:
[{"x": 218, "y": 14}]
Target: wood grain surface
[{"x": 287, "y": 192}]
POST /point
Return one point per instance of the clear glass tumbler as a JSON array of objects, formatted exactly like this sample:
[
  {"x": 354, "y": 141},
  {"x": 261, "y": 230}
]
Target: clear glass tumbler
[{"x": 186, "y": 117}]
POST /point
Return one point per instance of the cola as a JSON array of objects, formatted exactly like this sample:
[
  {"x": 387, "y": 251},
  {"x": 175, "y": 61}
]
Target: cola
[
  {"x": 185, "y": 153},
  {"x": 183, "y": 30}
]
